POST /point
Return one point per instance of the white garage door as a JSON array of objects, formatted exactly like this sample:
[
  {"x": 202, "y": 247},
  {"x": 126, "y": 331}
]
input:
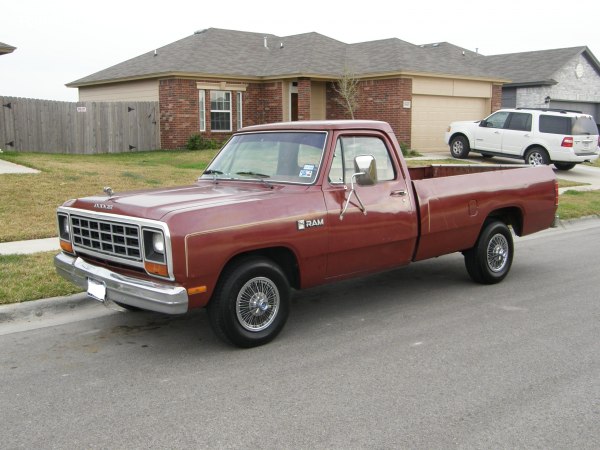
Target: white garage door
[{"x": 432, "y": 114}]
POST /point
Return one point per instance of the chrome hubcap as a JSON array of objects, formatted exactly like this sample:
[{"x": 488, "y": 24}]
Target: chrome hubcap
[
  {"x": 497, "y": 253},
  {"x": 257, "y": 304},
  {"x": 535, "y": 159}
]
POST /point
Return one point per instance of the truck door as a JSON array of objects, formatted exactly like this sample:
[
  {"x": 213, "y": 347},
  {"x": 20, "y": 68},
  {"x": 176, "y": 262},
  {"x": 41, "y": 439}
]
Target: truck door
[{"x": 386, "y": 235}]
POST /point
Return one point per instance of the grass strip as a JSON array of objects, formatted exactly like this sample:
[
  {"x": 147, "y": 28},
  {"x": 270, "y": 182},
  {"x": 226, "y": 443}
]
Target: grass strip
[{"x": 31, "y": 277}]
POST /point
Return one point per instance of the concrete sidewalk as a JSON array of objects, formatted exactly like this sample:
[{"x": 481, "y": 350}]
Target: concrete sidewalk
[
  {"x": 28, "y": 247},
  {"x": 8, "y": 167}
]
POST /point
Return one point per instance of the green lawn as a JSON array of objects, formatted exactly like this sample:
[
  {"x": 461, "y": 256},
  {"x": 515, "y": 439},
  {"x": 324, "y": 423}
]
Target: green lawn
[{"x": 28, "y": 202}]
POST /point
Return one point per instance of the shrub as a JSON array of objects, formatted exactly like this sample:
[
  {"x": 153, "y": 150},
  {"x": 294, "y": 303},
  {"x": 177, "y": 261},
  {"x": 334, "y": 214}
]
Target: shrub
[{"x": 197, "y": 142}]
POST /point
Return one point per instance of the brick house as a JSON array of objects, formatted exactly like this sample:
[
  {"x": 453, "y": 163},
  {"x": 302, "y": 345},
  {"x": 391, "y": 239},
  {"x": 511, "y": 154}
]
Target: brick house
[{"x": 216, "y": 81}]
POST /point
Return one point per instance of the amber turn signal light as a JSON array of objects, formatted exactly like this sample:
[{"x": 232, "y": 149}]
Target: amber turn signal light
[
  {"x": 156, "y": 269},
  {"x": 66, "y": 246}
]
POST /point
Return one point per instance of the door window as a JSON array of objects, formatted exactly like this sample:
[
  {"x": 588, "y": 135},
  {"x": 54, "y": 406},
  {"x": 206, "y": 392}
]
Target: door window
[
  {"x": 496, "y": 120},
  {"x": 519, "y": 122},
  {"x": 349, "y": 147}
]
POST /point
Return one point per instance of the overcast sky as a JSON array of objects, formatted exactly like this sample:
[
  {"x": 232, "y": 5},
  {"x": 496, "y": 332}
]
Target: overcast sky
[{"x": 59, "y": 41}]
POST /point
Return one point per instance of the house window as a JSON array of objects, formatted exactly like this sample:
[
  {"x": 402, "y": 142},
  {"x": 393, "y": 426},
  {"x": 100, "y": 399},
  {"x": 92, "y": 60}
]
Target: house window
[
  {"x": 220, "y": 110},
  {"x": 202, "y": 105},
  {"x": 239, "y": 110}
]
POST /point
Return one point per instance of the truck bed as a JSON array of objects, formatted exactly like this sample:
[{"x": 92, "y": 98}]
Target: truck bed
[{"x": 453, "y": 201}]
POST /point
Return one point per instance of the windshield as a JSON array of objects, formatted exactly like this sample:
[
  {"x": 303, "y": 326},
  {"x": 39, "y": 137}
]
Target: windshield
[{"x": 289, "y": 157}]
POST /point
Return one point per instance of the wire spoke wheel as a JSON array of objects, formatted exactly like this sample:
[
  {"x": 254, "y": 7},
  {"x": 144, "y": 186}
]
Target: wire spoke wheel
[
  {"x": 257, "y": 304},
  {"x": 497, "y": 253}
]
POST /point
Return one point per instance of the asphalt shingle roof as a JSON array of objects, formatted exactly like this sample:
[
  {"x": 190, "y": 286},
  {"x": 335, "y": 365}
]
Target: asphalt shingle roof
[
  {"x": 218, "y": 52},
  {"x": 237, "y": 53}
]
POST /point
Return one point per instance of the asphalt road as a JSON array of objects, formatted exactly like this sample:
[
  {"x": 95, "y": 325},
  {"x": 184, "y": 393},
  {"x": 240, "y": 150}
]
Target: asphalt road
[{"x": 414, "y": 358}]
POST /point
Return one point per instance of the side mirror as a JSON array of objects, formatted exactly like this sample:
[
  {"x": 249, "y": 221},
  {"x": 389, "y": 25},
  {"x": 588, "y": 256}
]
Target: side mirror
[
  {"x": 483, "y": 123},
  {"x": 366, "y": 170}
]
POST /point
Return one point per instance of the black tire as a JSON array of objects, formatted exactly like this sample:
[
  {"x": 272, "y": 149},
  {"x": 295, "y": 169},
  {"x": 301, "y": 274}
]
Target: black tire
[
  {"x": 537, "y": 156},
  {"x": 459, "y": 147},
  {"x": 489, "y": 261},
  {"x": 563, "y": 165},
  {"x": 251, "y": 302}
]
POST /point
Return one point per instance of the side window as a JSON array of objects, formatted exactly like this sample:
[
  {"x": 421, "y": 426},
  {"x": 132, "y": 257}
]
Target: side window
[
  {"x": 555, "y": 124},
  {"x": 519, "y": 122},
  {"x": 496, "y": 120},
  {"x": 349, "y": 147}
]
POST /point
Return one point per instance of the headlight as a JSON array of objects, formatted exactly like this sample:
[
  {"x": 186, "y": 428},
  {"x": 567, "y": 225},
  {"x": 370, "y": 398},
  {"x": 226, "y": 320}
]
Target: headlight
[
  {"x": 154, "y": 246},
  {"x": 64, "y": 230},
  {"x": 158, "y": 243}
]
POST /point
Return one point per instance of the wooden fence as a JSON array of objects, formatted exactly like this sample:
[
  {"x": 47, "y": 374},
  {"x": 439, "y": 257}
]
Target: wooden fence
[{"x": 47, "y": 126}]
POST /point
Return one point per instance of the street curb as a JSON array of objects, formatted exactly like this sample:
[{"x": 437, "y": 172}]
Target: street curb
[{"x": 36, "y": 309}]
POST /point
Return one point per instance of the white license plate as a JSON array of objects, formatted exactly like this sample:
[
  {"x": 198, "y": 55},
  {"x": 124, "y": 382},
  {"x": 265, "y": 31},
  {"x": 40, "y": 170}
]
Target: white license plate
[{"x": 96, "y": 290}]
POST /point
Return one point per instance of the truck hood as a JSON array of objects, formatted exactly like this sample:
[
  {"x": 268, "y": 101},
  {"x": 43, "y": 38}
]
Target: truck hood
[{"x": 155, "y": 204}]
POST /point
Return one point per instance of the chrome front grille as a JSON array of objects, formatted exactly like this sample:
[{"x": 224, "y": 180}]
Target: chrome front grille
[{"x": 116, "y": 239}]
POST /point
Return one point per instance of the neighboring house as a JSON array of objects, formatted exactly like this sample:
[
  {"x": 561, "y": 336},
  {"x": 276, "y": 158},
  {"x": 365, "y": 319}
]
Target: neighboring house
[
  {"x": 216, "y": 81},
  {"x": 5, "y": 48},
  {"x": 566, "y": 78}
]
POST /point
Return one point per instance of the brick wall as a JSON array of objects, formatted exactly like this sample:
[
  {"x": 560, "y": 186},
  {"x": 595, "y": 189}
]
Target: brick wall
[
  {"x": 180, "y": 110},
  {"x": 378, "y": 100},
  {"x": 263, "y": 103},
  {"x": 179, "y": 113},
  {"x": 496, "y": 97},
  {"x": 304, "y": 94}
]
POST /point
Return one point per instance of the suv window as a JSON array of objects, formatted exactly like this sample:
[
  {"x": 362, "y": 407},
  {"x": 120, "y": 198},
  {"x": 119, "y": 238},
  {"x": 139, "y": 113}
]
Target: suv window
[
  {"x": 584, "y": 125},
  {"x": 555, "y": 124},
  {"x": 496, "y": 120},
  {"x": 519, "y": 122}
]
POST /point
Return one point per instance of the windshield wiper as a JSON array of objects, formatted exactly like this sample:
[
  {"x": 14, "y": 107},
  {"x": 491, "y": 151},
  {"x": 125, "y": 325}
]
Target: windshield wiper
[
  {"x": 260, "y": 176},
  {"x": 253, "y": 174},
  {"x": 212, "y": 172}
]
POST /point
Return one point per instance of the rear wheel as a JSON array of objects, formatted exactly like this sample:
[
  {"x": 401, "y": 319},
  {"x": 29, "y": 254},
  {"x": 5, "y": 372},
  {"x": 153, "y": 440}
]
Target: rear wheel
[
  {"x": 537, "y": 156},
  {"x": 564, "y": 166},
  {"x": 251, "y": 302},
  {"x": 459, "y": 147},
  {"x": 489, "y": 261}
]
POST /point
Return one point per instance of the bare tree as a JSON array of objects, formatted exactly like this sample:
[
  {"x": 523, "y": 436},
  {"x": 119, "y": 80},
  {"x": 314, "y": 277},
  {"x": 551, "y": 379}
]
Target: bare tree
[{"x": 347, "y": 88}]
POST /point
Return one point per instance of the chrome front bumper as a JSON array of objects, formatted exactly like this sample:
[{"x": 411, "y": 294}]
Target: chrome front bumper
[{"x": 149, "y": 295}]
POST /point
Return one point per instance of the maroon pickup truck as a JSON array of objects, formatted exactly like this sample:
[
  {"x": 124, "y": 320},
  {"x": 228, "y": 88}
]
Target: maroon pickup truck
[{"x": 295, "y": 205}]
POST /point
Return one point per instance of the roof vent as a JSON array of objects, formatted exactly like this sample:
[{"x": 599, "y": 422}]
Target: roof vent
[
  {"x": 266, "y": 43},
  {"x": 435, "y": 45},
  {"x": 199, "y": 31}
]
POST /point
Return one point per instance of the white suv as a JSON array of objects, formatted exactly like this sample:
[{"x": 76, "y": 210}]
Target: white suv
[{"x": 539, "y": 136}]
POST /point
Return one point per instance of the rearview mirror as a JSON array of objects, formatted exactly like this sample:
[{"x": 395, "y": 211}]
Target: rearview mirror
[{"x": 366, "y": 170}]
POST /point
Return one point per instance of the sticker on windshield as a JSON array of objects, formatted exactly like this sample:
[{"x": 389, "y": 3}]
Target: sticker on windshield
[
  {"x": 309, "y": 167},
  {"x": 306, "y": 173}
]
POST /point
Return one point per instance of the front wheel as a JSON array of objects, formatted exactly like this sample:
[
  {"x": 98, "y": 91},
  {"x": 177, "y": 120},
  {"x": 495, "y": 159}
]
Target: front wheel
[
  {"x": 251, "y": 302},
  {"x": 459, "y": 147},
  {"x": 489, "y": 261},
  {"x": 564, "y": 166}
]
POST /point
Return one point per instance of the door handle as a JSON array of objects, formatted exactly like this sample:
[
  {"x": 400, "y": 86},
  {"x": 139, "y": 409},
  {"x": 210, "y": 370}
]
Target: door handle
[{"x": 400, "y": 193}]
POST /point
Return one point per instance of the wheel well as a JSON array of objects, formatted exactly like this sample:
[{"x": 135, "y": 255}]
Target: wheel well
[
  {"x": 459, "y": 134},
  {"x": 282, "y": 256},
  {"x": 532, "y": 146},
  {"x": 512, "y": 216}
]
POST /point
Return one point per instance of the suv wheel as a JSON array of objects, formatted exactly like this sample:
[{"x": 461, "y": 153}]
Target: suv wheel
[
  {"x": 564, "y": 166},
  {"x": 459, "y": 147},
  {"x": 537, "y": 156}
]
